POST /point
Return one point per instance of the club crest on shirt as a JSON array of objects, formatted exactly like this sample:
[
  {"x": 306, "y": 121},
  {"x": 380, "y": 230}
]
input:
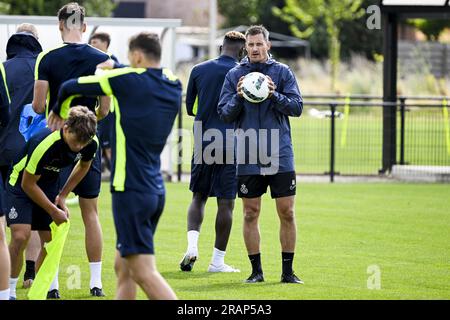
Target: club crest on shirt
[
  {"x": 244, "y": 189},
  {"x": 78, "y": 157}
]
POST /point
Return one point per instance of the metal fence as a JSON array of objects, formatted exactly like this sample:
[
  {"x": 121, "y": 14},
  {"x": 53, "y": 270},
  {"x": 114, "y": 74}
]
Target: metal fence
[{"x": 343, "y": 135}]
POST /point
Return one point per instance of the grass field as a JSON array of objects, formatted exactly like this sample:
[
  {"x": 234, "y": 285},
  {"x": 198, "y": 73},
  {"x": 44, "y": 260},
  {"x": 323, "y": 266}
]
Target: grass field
[{"x": 343, "y": 229}]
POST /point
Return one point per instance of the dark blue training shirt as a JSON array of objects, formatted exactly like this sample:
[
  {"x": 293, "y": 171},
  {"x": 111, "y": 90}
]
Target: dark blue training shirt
[
  {"x": 69, "y": 61},
  {"x": 146, "y": 103},
  {"x": 203, "y": 92},
  {"x": 22, "y": 50},
  {"x": 4, "y": 99},
  {"x": 45, "y": 154}
]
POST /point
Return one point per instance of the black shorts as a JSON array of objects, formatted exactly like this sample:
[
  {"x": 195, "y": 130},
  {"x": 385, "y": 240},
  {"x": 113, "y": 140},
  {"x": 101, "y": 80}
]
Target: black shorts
[
  {"x": 89, "y": 187},
  {"x": 20, "y": 209},
  {"x": 214, "y": 180},
  {"x": 136, "y": 216},
  {"x": 254, "y": 186}
]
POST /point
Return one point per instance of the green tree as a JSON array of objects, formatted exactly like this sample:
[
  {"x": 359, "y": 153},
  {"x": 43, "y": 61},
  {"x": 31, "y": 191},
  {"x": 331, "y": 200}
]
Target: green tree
[
  {"x": 431, "y": 28},
  {"x": 102, "y": 8},
  {"x": 239, "y": 12},
  {"x": 302, "y": 16}
]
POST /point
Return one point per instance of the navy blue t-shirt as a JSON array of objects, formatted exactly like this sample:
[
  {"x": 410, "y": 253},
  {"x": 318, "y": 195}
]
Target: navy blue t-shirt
[
  {"x": 203, "y": 92},
  {"x": 70, "y": 60},
  {"x": 146, "y": 103},
  {"x": 45, "y": 154}
]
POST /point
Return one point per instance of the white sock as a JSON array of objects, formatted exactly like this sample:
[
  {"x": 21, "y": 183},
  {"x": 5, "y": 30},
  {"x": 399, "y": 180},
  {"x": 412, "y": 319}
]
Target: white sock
[
  {"x": 192, "y": 237},
  {"x": 12, "y": 287},
  {"x": 96, "y": 274},
  {"x": 218, "y": 258},
  {"x": 4, "y": 294},
  {"x": 55, "y": 282}
]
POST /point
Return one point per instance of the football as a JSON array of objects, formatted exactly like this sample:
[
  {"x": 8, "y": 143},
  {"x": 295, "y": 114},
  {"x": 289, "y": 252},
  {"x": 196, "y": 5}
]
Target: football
[{"x": 255, "y": 87}]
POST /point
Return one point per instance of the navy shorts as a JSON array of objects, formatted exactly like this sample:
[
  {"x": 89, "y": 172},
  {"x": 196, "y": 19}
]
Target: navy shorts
[
  {"x": 105, "y": 128},
  {"x": 136, "y": 215},
  {"x": 89, "y": 187},
  {"x": 20, "y": 209},
  {"x": 214, "y": 180},
  {"x": 254, "y": 186}
]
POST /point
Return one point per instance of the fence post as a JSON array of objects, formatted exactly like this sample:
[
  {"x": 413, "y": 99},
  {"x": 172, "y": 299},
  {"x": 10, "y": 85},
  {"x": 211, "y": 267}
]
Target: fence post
[
  {"x": 332, "y": 141},
  {"x": 180, "y": 143},
  {"x": 402, "y": 130}
]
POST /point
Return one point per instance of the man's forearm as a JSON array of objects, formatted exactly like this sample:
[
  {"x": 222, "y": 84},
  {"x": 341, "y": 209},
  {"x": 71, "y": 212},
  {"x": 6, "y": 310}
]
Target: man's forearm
[
  {"x": 35, "y": 193},
  {"x": 78, "y": 173}
]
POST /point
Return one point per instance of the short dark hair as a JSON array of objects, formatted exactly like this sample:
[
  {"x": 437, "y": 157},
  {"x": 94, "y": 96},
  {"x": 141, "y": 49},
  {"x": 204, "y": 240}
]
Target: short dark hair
[
  {"x": 82, "y": 122},
  {"x": 259, "y": 29},
  {"x": 69, "y": 10},
  {"x": 148, "y": 43},
  {"x": 102, "y": 36},
  {"x": 233, "y": 37}
]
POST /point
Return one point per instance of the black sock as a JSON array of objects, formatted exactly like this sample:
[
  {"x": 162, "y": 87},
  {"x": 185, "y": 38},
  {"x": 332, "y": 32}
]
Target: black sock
[
  {"x": 30, "y": 271},
  {"x": 288, "y": 258},
  {"x": 255, "y": 259}
]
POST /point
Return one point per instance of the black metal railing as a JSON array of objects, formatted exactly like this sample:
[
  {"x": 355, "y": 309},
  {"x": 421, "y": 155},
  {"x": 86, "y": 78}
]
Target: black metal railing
[{"x": 342, "y": 135}]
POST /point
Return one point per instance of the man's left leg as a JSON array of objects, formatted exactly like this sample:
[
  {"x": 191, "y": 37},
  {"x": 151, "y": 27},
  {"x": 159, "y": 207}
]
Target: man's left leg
[
  {"x": 288, "y": 236},
  {"x": 224, "y": 221},
  {"x": 283, "y": 190},
  {"x": 143, "y": 270}
]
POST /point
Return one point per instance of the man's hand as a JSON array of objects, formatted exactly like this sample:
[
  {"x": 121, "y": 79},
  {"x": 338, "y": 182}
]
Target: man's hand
[
  {"x": 54, "y": 122},
  {"x": 272, "y": 86},
  {"x": 59, "y": 216},
  {"x": 239, "y": 87},
  {"x": 60, "y": 202},
  {"x": 107, "y": 65}
]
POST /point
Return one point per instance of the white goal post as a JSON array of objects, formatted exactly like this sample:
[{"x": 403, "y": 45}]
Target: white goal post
[{"x": 120, "y": 30}]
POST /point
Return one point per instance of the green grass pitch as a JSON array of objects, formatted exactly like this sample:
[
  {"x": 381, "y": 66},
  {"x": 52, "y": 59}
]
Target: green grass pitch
[{"x": 344, "y": 230}]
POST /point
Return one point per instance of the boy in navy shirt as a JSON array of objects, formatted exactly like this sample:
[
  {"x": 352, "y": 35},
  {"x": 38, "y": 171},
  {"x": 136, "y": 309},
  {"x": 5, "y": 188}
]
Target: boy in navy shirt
[{"x": 32, "y": 199}]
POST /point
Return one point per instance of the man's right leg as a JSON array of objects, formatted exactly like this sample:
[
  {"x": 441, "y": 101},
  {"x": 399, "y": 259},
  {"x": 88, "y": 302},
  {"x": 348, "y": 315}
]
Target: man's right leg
[
  {"x": 4, "y": 263},
  {"x": 196, "y": 213},
  {"x": 31, "y": 254},
  {"x": 143, "y": 271},
  {"x": 20, "y": 234},
  {"x": 252, "y": 238}
]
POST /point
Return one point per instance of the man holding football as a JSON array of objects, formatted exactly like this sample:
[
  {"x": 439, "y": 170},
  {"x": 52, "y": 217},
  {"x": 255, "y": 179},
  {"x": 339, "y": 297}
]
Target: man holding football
[{"x": 254, "y": 172}]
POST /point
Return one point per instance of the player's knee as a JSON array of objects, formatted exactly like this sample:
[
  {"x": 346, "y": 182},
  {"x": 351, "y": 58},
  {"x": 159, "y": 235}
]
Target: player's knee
[
  {"x": 19, "y": 238},
  {"x": 287, "y": 215},
  {"x": 251, "y": 213},
  {"x": 144, "y": 276}
]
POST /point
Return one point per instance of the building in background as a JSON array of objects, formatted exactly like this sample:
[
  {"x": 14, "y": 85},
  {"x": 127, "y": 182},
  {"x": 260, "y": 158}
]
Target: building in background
[{"x": 192, "y": 12}]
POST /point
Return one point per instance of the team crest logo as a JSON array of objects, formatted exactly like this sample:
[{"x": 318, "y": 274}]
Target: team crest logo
[
  {"x": 244, "y": 189},
  {"x": 13, "y": 213}
]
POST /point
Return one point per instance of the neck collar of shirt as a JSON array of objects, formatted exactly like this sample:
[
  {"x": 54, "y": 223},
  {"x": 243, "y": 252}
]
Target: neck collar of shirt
[{"x": 246, "y": 61}]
